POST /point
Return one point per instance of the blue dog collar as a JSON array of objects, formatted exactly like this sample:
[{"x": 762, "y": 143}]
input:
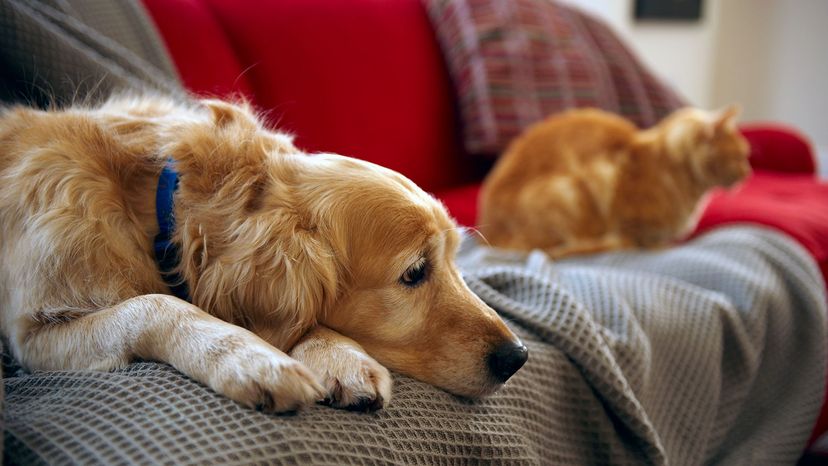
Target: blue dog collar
[{"x": 167, "y": 254}]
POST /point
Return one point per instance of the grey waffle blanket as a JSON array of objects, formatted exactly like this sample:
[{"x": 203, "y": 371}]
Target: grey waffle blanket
[{"x": 712, "y": 352}]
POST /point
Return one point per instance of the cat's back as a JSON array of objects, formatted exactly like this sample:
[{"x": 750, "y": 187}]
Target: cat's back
[{"x": 561, "y": 144}]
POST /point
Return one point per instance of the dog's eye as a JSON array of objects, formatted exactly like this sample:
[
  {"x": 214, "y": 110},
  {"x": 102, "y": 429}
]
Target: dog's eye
[{"x": 415, "y": 274}]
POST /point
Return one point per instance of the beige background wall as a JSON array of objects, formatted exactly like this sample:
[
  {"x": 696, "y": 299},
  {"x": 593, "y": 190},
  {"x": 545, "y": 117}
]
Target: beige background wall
[
  {"x": 677, "y": 51},
  {"x": 769, "y": 55}
]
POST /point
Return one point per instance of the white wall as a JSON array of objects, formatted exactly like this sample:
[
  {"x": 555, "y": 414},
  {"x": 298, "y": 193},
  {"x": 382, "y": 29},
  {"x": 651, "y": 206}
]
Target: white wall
[
  {"x": 773, "y": 59},
  {"x": 769, "y": 55},
  {"x": 679, "y": 52}
]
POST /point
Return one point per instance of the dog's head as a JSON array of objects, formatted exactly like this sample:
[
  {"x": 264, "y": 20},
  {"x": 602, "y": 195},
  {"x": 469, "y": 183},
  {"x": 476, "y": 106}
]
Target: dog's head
[
  {"x": 710, "y": 142},
  {"x": 290, "y": 240},
  {"x": 402, "y": 297}
]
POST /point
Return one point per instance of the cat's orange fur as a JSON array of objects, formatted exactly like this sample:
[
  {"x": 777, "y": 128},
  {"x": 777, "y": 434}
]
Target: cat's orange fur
[{"x": 588, "y": 180}]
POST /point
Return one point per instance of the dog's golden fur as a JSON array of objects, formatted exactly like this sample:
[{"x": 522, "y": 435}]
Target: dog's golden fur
[
  {"x": 283, "y": 252},
  {"x": 588, "y": 180}
]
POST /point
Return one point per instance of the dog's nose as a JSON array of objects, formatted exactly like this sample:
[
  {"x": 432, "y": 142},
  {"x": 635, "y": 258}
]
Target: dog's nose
[{"x": 506, "y": 359}]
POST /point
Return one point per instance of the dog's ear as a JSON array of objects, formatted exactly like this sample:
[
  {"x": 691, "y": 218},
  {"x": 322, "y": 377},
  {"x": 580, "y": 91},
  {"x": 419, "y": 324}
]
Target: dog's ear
[
  {"x": 255, "y": 194},
  {"x": 226, "y": 113},
  {"x": 226, "y": 150},
  {"x": 311, "y": 271},
  {"x": 270, "y": 269}
]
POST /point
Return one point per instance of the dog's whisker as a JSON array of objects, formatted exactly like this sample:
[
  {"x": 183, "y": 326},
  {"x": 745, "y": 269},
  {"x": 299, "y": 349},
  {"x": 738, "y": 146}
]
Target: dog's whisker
[
  {"x": 478, "y": 233},
  {"x": 243, "y": 72}
]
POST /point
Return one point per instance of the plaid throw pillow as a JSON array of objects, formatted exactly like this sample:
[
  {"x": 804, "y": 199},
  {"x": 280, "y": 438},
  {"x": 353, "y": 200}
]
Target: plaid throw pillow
[{"x": 514, "y": 62}]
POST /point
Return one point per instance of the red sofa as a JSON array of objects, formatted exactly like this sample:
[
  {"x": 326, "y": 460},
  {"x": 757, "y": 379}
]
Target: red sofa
[{"x": 366, "y": 78}]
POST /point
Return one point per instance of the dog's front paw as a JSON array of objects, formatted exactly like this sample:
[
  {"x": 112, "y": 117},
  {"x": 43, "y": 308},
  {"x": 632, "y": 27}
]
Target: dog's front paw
[
  {"x": 358, "y": 383},
  {"x": 352, "y": 379},
  {"x": 265, "y": 379}
]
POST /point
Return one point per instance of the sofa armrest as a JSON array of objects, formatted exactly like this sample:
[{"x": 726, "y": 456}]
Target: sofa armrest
[{"x": 779, "y": 148}]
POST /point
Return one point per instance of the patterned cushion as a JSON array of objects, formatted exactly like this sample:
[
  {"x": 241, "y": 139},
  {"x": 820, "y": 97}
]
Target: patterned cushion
[{"x": 516, "y": 61}]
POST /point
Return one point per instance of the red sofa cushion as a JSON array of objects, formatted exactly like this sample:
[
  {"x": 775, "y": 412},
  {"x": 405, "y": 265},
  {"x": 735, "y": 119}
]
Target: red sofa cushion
[
  {"x": 779, "y": 148},
  {"x": 363, "y": 78},
  {"x": 796, "y": 204},
  {"x": 461, "y": 202},
  {"x": 195, "y": 38}
]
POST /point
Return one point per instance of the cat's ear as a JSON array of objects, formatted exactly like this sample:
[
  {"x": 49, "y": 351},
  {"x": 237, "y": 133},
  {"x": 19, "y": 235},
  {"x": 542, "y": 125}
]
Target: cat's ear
[{"x": 725, "y": 118}]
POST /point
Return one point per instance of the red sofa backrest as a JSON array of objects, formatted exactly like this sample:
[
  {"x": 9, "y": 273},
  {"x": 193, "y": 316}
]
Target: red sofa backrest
[{"x": 363, "y": 78}]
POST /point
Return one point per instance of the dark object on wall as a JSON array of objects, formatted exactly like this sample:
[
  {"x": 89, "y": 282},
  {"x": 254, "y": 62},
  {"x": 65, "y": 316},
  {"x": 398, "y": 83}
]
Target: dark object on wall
[{"x": 684, "y": 10}]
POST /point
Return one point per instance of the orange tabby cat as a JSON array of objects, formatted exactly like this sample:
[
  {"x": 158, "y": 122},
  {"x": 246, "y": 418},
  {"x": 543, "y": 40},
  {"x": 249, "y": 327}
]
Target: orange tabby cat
[{"x": 588, "y": 180}]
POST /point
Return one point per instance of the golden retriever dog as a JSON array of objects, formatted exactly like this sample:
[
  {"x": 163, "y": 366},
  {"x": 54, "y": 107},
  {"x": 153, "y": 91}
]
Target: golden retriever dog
[{"x": 309, "y": 276}]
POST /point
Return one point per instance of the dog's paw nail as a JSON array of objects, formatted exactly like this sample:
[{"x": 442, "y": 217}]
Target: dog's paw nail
[{"x": 366, "y": 405}]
